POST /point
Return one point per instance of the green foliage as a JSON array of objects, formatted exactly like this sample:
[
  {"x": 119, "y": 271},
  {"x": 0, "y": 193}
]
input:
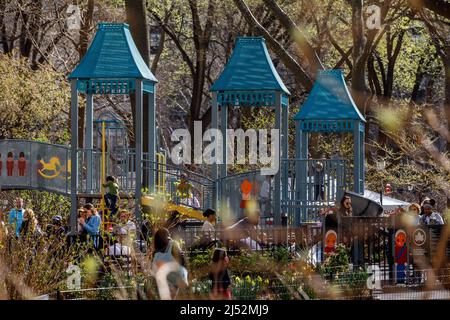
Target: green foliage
[
  {"x": 200, "y": 259},
  {"x": 336, "y": 269},
  {"x": 44, "y": 204},
  {"x": 335, "y": 262},
  {"x": 256, "y": 263},
  {"x": 201, "y": 288},
  {"x": 411, "y": 161},
  {"x": 282, "y": 255},
  {"x": 32, "y": 102},
  {"x": 249, "y": 288}
]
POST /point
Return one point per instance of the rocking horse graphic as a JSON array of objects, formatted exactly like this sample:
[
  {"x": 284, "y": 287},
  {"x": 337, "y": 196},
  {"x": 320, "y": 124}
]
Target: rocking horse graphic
[{"x": 53, "y": 168}]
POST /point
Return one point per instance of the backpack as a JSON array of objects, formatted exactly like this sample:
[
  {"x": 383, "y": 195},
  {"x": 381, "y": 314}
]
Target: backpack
[{"x": 176, "y": 277}]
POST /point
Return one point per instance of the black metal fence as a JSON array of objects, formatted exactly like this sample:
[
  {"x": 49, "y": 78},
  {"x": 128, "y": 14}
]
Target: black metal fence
[{"x": 387, "y": 259}]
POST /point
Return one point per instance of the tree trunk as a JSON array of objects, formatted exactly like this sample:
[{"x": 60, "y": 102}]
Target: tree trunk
[
  {"x": 83, "y": 46},
  {"x": 137, "y": 19},
  {"x": 359, "y": 87},
  {"x": 446, "y": 62},
  {"x": 297, "y": 35},
  {"x": 3, "y": 37}
]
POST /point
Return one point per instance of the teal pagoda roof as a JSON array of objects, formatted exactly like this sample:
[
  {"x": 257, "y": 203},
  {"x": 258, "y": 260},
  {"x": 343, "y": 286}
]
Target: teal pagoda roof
[
  {"x": 250, "y": 68},
  {"x": 112, "y": 55},
  {"x": 329, "y": 99}
]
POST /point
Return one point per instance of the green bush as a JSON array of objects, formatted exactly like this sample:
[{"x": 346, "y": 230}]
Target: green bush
[{"x": 249, "y": 288}]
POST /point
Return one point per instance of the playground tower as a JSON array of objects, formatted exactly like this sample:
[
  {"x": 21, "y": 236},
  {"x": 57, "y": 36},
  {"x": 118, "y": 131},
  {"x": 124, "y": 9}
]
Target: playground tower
[{"x": 112, "y": 65}]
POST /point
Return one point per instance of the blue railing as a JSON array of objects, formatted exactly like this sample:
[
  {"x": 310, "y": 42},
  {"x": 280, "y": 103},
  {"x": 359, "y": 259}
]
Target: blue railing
[{"x": 313, "y": 184}]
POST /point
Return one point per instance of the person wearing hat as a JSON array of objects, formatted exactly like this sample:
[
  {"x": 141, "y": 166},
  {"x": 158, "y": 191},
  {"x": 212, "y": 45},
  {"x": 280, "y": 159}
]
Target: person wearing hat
[
  {"x": 56, "y": 228},
  {"x": 430, "y": 217},
  {"x": 425, "y": 201},
  {"x": 118, "y": 248}
]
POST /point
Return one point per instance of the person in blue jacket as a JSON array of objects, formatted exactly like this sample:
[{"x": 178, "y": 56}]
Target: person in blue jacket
[
  {"x": 15, "y": 216},
  {"x": 91, "y": 225}
]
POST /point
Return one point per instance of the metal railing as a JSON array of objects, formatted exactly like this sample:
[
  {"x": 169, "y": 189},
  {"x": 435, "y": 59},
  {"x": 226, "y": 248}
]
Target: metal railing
[
  {"x": 231, "y": 195},
  {"x": 200, "y": 195},
  {"x": 313, "y": 184}
]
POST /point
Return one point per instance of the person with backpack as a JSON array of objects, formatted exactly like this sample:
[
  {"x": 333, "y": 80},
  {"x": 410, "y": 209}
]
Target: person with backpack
[{"x": 167, "y": 251}]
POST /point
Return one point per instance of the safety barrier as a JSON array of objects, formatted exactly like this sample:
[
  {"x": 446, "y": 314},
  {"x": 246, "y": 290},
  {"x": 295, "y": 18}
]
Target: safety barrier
[
  {"x": 313, "y": 185},
  {"x": 197, "y": 193}
]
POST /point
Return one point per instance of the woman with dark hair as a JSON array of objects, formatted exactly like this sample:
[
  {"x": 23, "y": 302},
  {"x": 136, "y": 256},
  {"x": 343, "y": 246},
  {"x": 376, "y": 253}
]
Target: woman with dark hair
[
  {"x": 208, "y": 225},
  {"x": 208, "y": 235},
  {"x": 167, "y": 250},
  {"x": 345, "y": 207},
  {"x": 220, "y": 276}
]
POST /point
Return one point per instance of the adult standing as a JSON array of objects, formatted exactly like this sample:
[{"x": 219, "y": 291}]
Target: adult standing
[
  {"x": 414, "y": 212},
  {"x": 264, "y": 196},
  {"x": 344, "y": 224},
  {"x": 167, "y": 251},
  {"x": 15, "y": 217},
  {"x": 431, "y": 217},
  {"x": 220, "y": 276},
  {"x": 319, "y": 181},
  {"x": 345, "y": 207},
  {"x": 208, "y": 225}
]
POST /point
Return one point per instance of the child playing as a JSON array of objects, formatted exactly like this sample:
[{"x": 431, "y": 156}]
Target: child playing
[
  {"x": 112, "y": 195},
  {"x": 184, "y": 192}
]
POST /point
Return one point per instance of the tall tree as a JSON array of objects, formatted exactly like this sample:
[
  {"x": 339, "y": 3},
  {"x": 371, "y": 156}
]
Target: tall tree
[
  {"x": 136, "y": 12},
  {"x": 439, "y": 29},
  {"x": 288, "y": 60},
  {"x": 297, "y": 35},
  {"x": 194, "y": 50},
  {"x": 85, "y": 30}
]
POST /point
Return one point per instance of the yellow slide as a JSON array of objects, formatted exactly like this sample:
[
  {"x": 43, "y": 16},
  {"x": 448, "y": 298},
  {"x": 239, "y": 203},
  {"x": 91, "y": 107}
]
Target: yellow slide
[{"x": 185, "y": 211}]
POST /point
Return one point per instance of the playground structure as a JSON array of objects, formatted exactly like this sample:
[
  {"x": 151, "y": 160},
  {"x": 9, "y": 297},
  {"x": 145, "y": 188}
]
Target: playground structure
[{"x": 113, "y": 65}]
